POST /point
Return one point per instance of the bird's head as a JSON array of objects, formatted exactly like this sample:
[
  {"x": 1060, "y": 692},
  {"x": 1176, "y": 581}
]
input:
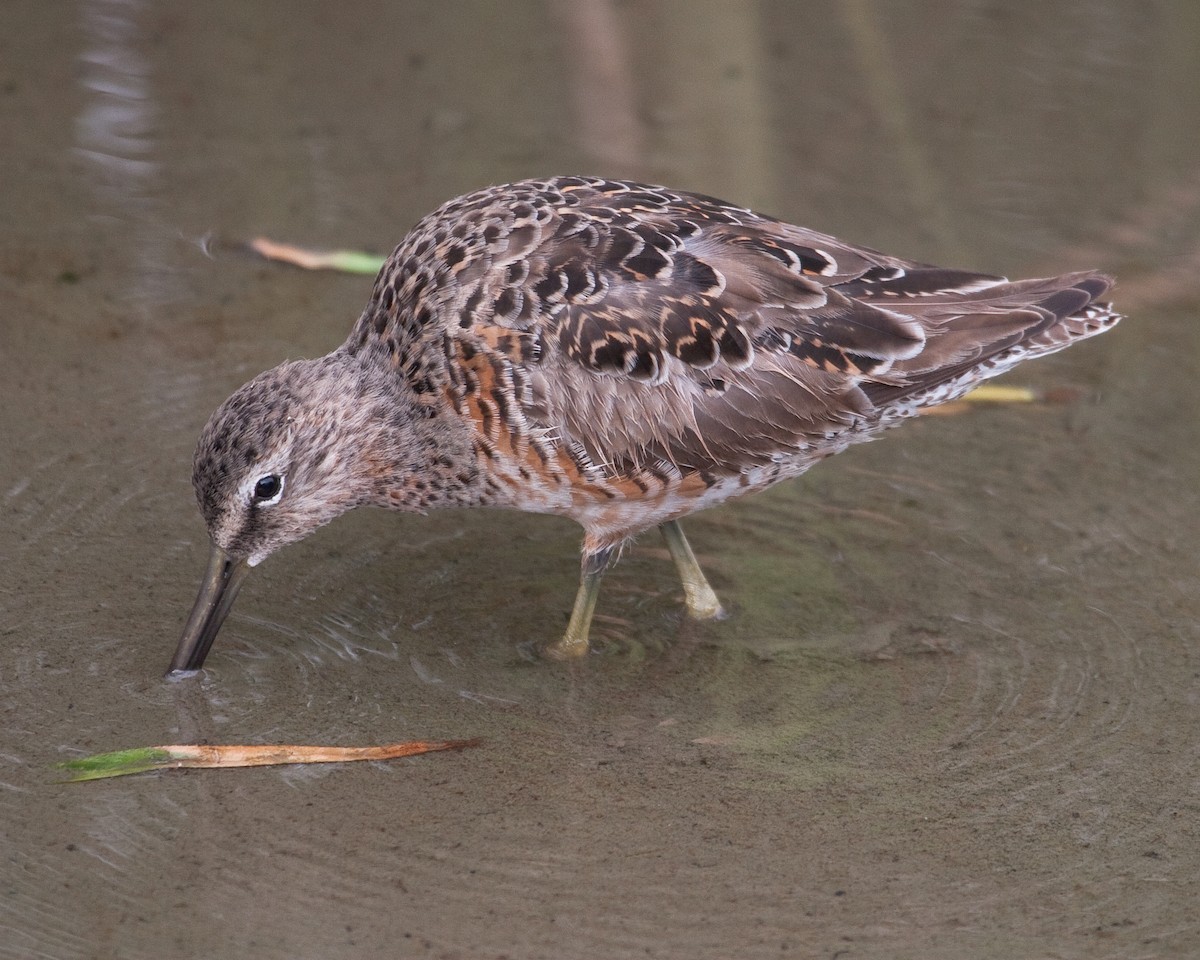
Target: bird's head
[{"x": 285, "y": 454}]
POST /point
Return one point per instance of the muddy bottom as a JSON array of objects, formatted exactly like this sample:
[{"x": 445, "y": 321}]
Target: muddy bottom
[{"x": 953, "y": 710}]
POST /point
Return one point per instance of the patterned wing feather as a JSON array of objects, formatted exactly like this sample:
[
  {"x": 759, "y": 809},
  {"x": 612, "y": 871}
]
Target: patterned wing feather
[{"x": 644, "y": 326}]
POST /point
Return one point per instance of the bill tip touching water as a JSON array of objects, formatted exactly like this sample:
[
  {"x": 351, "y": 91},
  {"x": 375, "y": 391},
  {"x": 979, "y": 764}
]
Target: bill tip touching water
[{"x": 613, "y": 352}]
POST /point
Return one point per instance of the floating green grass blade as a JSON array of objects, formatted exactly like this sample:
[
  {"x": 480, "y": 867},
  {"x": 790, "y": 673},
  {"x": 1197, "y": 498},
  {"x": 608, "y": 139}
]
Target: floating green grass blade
[
  {"x": 119, "y": 763},
  {"x": 347, "y": 261}
]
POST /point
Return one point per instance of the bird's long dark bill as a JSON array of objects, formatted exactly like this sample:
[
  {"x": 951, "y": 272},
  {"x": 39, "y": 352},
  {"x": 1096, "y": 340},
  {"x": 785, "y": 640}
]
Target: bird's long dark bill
[{"x": 222, "y": 581}]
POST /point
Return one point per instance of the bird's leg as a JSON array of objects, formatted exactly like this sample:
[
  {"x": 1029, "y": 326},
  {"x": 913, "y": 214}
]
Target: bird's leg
[
  {"x": 702, "y": 602},
  {"x": 574, "y": 643}
]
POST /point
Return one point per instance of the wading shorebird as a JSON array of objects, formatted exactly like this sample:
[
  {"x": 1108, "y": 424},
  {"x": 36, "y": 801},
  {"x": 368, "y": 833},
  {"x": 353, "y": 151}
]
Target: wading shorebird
[{"x": 613, "y": 352}]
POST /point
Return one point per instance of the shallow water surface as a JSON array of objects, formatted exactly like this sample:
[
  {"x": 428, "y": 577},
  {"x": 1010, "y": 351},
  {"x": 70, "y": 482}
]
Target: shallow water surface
[{"x": 954, "y": 709}]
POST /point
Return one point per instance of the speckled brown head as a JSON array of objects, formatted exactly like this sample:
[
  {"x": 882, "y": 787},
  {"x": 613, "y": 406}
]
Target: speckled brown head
[
  {"x": 289, "y": 451},
  {"x": 281, "y": 456}
]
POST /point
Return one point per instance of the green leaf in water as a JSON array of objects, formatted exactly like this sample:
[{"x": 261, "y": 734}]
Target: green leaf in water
[{"x": 119, "y": 763}]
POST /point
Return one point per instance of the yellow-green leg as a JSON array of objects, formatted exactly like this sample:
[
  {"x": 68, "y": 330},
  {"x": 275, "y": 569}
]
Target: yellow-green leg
[
  {"x": 574, "y": 643},
  {"x": 702, "y": 602}
]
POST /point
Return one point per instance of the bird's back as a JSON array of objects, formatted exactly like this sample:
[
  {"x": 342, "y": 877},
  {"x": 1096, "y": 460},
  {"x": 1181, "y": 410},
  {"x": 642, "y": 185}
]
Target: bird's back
[{"x": 624, "y": 354}]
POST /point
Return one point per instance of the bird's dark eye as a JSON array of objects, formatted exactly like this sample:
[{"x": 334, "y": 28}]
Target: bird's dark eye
[{"x": 268, "y": 487}]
